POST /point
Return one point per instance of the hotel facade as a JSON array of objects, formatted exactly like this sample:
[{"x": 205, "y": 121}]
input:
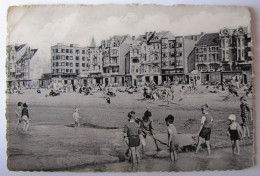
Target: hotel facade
[{"x": 157, "y": 57}]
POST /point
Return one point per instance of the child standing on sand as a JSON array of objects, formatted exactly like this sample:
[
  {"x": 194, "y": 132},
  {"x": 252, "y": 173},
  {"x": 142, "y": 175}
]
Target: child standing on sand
[
  {"x": 205, "y": 128},
  {"x": 25, "y": 117},
  {"x": 146, "y": 125},
  {"x": 171, "y": 130},
  {"x": 131, "y": 137},
  {"x": 235, "y": 133},
  {"x": 18, "y": 113},
  {"x": 246, "y": 113},
  {"x": 76, "y": 117}
]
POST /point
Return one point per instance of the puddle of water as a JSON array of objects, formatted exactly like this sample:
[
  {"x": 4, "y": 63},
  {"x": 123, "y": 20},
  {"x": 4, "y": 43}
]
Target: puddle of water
[{"x": 220, "y": 159}]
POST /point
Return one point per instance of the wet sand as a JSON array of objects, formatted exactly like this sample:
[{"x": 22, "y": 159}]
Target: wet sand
[
  {"x": 220, "y": 159},
  {"x": 50, "y": 145}
]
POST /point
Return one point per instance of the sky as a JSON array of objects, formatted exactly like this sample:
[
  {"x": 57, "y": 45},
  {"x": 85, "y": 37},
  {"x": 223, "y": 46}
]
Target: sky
[{"x": 44, "y": 26}]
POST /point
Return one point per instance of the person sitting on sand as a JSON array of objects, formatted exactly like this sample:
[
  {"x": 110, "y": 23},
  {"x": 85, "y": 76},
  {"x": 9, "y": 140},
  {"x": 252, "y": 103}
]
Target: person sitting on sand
[
  {"x": 172, "y": 132},
  {"x": 246, "y": 113},
  {"x": 131, "y": 137},
  {"x": 18, "y": 113},
  {"x": 25, "y": 117},
  {"x": 235, "y": 133},
  {"x": 205, "y": 128},
  {"x": 146, "y": 125},
  {"x": 76, "y": 117}
]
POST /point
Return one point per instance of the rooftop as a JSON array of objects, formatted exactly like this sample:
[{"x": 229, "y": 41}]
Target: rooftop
[{"x": 210, "y": 39}]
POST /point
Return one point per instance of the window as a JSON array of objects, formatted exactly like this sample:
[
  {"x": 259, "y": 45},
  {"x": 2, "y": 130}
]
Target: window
[
  {"x": 71, "y": 50},
  {"x": 71, "y": 64},
  {"x": 67, "y": 64},
  {"x": 164, "y": 46},
  {"x": 67, "y": 50},
  {"x": 77, "y": 57},
  {"x": 67, "y": 57},
  {"x": 83, "y": 64},
  {"x": 62, "y": 70},
  {"x": 67, "y": 70},
  {"x": 63, "y": 64},
  {"x": 77, "y": 51},
  {"x": 63, "y": 57},
  {"x": 83, "y": 58},
  {"x": 53, "y": 57},
  {"x": 71, "y": 70},
  {"x": 77, "y": 64},
  {"x": 71, "y": 57},
  {"x": 83, "y": 51},
  {"x": 77, "y": 70},
  {"x": 164, "y": 55}
]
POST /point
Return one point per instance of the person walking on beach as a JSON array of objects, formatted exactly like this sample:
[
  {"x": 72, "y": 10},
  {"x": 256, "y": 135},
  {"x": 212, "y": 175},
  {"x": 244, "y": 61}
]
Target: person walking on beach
[
  {"x": 235, "y": 133},
  {"x": 205, "y": 128},
  {"x": 172, "y": 132},
  {"x": 246, "y": 113},
  {"x": 182, "y": 90},
  {"x": 76, "y": 117},
  {"x": 131, "y": 137},
  {"x": 25, "y": 117},
  {"x": 18, "y": 113},
  {"x": 146, "y": 125}
]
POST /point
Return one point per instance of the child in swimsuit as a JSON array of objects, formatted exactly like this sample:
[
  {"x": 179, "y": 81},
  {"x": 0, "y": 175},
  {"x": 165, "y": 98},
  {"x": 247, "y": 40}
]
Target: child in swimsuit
[
  {"x": 131, "y": 137},
  {"x": 18, "y": 113},
  {"x": 233, "y": 133},
  {"x": 172, "y": 132}
]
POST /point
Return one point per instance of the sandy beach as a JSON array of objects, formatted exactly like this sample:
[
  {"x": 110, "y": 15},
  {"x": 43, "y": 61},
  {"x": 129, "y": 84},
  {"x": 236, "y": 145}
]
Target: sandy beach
[{"x": 49, "y": 144}]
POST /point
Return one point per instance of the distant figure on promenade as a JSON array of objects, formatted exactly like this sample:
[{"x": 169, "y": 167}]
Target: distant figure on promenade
[
  {"x": 172, "y": 132},
  {"x": 172, "y": 91},
  {"x": 131, "y": 137},
  {"x": 246, "y": 113},
  {"x": 25, "y": 117},
  {"x": 205, "y": 128},
  {"x": 74, "y": 88},
  {"x": 182, "y": 90},
  {"x": 18, "y": 113},
  {"x": 76, "y": 117},
  {"x": 235, "y": 132}
]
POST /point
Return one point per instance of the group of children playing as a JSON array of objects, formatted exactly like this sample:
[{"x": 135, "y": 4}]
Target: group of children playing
[
  {"x": 136, "y": 130},
  {"x": 22, "y": 114}
]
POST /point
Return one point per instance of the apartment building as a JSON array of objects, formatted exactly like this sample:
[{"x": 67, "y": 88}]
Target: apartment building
[
  {"x": 18, "y": 67},
  {"x": 224, "y": 56},
  {"x": 175, "y": 53},
  {"x": 114, "y": 51}
]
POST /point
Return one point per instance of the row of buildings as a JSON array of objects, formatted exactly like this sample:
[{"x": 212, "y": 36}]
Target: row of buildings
[
  {"x": 18, "y": 65},
  {"x": 206, "y": 58}
]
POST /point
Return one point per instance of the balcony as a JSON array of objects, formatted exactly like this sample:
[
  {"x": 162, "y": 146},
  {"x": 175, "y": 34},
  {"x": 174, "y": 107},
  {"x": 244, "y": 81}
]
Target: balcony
[
  {"x": 135, "y": 55},
  {"x": 150, "y": 62},
  {"x": 110, "y": 64},
  {"x": 110, "y": 74},
  {"x": 114, "y": 54}
]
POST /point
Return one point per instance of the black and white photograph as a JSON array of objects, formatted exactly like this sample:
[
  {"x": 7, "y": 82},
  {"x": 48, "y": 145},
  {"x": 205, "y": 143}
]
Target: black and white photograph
[{"x": 129, "y": 88}]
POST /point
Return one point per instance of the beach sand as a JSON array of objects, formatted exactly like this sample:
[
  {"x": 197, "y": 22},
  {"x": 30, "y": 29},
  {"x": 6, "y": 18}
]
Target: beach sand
[{"x": 50, "y": 145}]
